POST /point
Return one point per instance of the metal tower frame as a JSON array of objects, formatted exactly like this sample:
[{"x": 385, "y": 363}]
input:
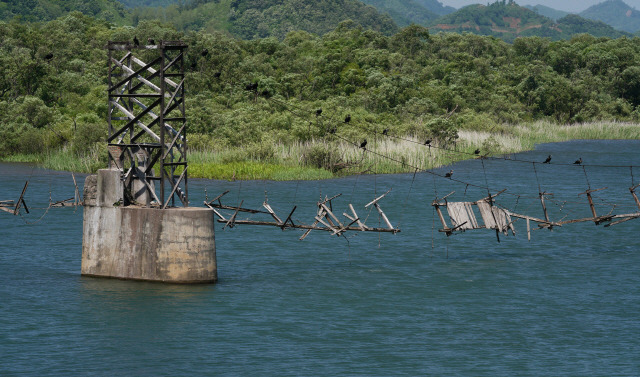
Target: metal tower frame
[{"x": 146, "y": 117}]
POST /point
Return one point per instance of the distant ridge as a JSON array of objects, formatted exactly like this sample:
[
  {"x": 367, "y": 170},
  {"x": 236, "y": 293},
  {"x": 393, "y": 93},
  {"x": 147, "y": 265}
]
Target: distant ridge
[
  {"x": 615, "y": 13},
  {"x": 508, "y": 20},
  {"x": 404, "y": 12},
  {"x": 551, "y": 13}
]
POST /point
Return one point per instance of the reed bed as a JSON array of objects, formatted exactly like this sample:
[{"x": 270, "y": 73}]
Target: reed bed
[{"x": 334, "y": 156}]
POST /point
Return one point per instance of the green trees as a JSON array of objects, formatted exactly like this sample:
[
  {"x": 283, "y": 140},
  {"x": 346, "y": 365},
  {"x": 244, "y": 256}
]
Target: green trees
[{"x": 52, "y": 83}]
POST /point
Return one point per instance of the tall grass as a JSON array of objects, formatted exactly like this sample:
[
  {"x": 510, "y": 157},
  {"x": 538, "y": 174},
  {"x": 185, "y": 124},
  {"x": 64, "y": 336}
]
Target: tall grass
[{"x": 333, "y": 156}]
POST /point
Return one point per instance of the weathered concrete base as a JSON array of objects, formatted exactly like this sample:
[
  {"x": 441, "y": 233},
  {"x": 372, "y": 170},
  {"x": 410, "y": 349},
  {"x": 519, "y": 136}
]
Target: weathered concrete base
[{"x": 174, "y": 245}]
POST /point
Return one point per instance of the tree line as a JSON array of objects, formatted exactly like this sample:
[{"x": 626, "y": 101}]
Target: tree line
[{"x": 53, "y": 83}]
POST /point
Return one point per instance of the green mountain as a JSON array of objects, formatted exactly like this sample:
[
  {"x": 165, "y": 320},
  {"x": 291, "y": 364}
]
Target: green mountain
[
  {"x": 147, "y": 3},
  {"x": 551, "y": 13},
  {"x": 250, "y": 19},
  {"x": 46, "y": 10},
  {"x": 615, "y": 13},
  {"x": 436, "y": 7},
  {"x": 404, "y": 12},
  {"x": 507, "y": 20}
]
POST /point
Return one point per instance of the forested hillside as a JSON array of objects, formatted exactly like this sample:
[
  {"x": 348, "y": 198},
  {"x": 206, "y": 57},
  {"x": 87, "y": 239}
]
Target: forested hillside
[
  {"x": 404, "y": 12},
  {"x": 508, "y": 20},
  {"x": 551, "y": 13},
  {"x": 258, "y": 19},
  {"x": 53, "y": 93},
  {"x": 615, "y": 13},
  {"x": 45, "y": 10}
]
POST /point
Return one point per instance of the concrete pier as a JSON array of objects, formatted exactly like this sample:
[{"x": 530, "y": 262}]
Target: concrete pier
[{"x": 175, "y": 245}]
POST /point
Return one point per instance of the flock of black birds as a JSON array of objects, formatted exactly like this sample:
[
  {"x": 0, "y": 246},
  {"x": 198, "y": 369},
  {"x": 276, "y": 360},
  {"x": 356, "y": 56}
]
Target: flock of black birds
[
  {"x": 253, "y": 87},
  {"x": 548, "y": 160}
]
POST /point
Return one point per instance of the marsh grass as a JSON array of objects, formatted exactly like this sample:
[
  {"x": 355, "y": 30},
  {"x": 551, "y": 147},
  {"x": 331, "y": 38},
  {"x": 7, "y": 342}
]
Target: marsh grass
[{"x": 334, "y": 157}]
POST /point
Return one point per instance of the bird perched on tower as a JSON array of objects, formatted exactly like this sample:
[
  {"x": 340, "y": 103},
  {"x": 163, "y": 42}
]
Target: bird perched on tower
[
  {"x": 548, "y": 160},
  {"x": 578, "y": 161},
  {"x": 449, "y": 174}
]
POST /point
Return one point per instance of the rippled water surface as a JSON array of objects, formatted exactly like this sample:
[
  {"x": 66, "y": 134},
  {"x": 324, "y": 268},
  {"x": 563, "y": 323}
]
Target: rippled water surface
[{"x": 417, "y": 303}]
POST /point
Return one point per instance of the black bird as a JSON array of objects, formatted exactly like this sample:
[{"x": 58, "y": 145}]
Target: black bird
[
  {"x": 217, "y": 74},
  {"x": 251, "y": 87},
  {"x": 333, "y": 130},
  {"x": 363, "y": 145},
  {"x": 385, "y": 132},
  {"x": 49, "y": 56},
  {"x": 428, "y": 142},
  {"x": 347, "y": 119},
  {"x": 477, "y": 151},
  {"x": 204, "y": 52},
  {"x": 449, "y": 174},
  {"x": 194, "y": 65},
  {"x": 548, "y": 160},
  {"x": 318, "y": 112},
  {"x": 151, "y": 41},
  {"x": 136, "y": 42},
  {"x": 578, "y": 161}
]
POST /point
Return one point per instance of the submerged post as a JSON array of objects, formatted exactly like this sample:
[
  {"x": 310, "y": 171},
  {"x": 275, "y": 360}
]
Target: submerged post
[{"x": 132, "y": 227}]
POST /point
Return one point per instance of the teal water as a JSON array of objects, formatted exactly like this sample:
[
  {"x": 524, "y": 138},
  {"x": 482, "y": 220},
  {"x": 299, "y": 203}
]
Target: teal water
[{"x": 417, "y": 303}]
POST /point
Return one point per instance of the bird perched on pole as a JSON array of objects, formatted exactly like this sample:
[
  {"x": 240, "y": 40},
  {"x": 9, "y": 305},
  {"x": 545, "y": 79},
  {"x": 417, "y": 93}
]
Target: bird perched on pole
[
  {"x": 363, "y": 145},
  {"x": 578, "y": 161},
  {"x": 449, "y": 174},
  {"x": 428, "y": 142},
  {"x": 548, "y": 160}
]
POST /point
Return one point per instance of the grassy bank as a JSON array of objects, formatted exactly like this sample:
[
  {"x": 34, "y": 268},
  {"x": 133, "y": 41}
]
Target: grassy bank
[{"x": 334, "y": 156}]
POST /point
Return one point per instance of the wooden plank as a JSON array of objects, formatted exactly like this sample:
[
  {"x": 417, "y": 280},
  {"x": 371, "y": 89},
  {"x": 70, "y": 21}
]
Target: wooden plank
[
  {"x": 328, "y": 211},
  {"x": 377, "y": 199},
  {"x": 436, "y": 200},
  {"x": 355, "y": 217},
  {"x": 384, "y": 217},
  {"x": 216, "y": 212},
  {"x": 309, "y": 228},
  {"x": 217, "y": 198},
  {"x": 232, "y": 219},
  {"x": 271, "y": 212}
]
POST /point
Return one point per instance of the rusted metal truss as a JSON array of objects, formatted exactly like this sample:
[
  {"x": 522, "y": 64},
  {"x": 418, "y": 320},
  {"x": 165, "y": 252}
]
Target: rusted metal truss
[
  {"x": 147, "y": 124},
  {"x": 324, "y": 220}
]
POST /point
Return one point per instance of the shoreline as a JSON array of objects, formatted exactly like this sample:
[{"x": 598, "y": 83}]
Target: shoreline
[{"x": 391, "y": 155}]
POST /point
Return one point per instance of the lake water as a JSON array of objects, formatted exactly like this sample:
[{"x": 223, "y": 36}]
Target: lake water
[{"x": 416, "y": 303}]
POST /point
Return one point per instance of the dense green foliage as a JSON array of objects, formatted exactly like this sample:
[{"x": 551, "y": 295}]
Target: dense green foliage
[
  {"x": 551, "y": 13},
  {"x": 615, "y": 13},
  {"x": 45, "y": 10},
  {"x": 508, "y": 20},
  {"x": 260, "y": 19},
  {"x": 148, "y": 3},
  {"x": 406, "y": 83}
]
